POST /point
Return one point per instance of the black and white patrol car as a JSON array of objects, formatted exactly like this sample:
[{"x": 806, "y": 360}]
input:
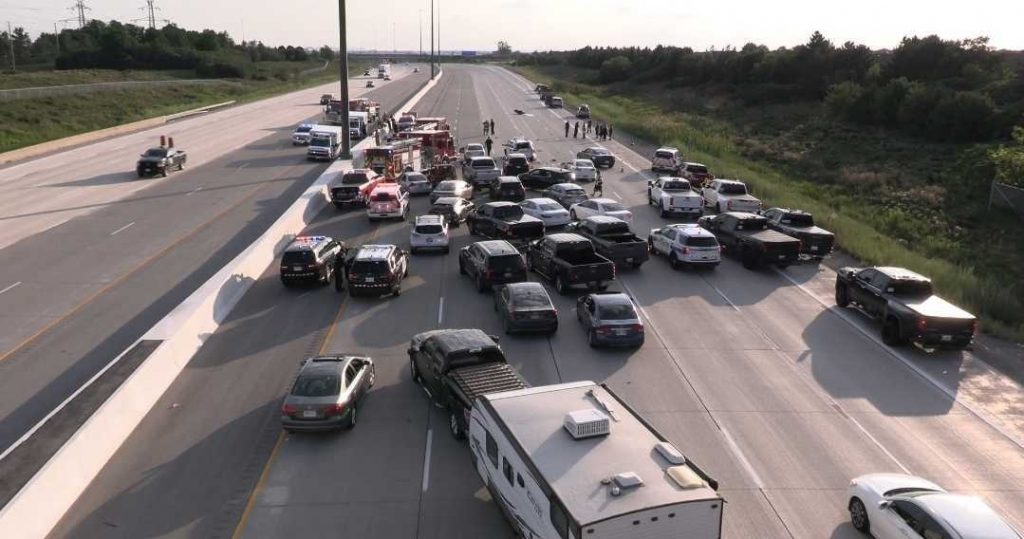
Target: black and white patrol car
[{"x": 310, "y": 259}]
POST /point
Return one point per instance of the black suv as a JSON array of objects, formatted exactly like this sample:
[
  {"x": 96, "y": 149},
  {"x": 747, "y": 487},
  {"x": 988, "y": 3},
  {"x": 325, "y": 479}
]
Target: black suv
[
  {"x": 492, "y": 262},
  {"x": 377, "y": 270},
  {"x": 544, "y": 177},
  {"x": 310, "y": 259},
  {"x": 507, "y": 188},
  {"x": 515, "y": 163}
]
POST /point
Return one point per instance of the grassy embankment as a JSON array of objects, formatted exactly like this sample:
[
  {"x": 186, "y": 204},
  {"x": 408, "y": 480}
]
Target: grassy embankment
[
  {"x": 890, "y": 200},
  {"x": 32, "y": 121}
]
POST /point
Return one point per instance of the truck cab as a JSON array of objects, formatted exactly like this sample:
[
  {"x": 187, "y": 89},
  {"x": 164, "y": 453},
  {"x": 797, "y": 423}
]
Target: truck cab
[
  {"x": 324, "y": 142},
  {"x": 674, "y": 196}
]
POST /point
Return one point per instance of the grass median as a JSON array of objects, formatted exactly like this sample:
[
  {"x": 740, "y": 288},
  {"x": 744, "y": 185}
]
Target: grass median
[
  {"x": 861, "y": 226},
  {"x": 32, "y": 121}
]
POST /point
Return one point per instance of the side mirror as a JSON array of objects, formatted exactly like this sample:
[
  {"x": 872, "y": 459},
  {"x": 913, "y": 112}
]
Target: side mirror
[{"x": 884, "y": 504}]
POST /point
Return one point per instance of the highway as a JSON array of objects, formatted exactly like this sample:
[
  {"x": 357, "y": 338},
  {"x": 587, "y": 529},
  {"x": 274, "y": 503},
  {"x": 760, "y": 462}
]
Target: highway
[
  {"x": 756, "y": 376},
  {"x": 127, "y": 251}
]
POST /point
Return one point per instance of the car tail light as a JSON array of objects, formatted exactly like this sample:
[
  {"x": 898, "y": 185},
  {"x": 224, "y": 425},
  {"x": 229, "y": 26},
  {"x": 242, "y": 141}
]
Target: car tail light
[
  {"x": 334, "y": 409},
  {"x": 489, "y": 274},
  {"x": 728, "y": 204},
  {"x": 353, "y": 276},
  {"x": 639, "y": 328},
  {"x": 288, "y": 409},
  {"x": 615, "y": 272},
  {"x": 974, "y": 327},
  {"x": 312, "y": 266},
  {"x": 603, "y": 329},
  {"x": 686, "y": 250},
  {"x": 922, "y": 324},
  {"x": 721, "y": 249}
]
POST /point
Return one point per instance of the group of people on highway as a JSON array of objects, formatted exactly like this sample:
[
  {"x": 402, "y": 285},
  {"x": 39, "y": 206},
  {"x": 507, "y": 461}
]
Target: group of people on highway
[{"x": 602, "y": 130}]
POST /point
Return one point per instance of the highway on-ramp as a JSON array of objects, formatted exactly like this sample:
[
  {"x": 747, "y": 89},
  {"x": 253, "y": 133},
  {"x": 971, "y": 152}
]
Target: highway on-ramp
[
  {"x": 77, "y": 294},
  {"x": 754, "y": 375}
]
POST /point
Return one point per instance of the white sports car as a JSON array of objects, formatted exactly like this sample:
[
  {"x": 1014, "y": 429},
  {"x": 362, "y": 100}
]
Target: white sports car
[{"x": 897, "y": 506}]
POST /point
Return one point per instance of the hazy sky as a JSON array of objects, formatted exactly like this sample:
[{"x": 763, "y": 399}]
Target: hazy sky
[{"x": 561, "y": 24}]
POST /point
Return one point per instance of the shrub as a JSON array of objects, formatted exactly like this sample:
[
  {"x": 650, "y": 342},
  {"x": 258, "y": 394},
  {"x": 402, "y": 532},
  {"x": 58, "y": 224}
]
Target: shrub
[{"x": 616, "y": 69}]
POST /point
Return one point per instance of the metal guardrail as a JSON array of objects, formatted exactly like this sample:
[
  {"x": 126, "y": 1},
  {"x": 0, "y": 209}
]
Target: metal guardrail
[
  {"x": 15, "y": 94},
  {"x": 305, "y": 72}
]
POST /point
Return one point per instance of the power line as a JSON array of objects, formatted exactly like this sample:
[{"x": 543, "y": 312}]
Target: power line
[
  {"x": 150, "y": 18},
  {"x": 80, "y": 8}
]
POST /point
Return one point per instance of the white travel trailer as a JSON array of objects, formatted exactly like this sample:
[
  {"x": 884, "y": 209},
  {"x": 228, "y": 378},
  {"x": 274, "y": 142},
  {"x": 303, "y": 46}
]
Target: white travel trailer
[{"x": 573, "y": 461}]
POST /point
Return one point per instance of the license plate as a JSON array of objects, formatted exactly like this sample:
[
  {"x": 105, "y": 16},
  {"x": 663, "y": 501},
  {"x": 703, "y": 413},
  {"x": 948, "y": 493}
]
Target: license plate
[
  {"x": 508, "y": 274},
  {"x": 620, "y": 331},
  {"x": 947, "y": 338},
  {"x": 309, "y": 413},
  {"x": 370, "y": 279},
  {"x": 534, "y": 315},
  {"x": 296, "y": 268},
  {"x": 630, "y": 259},
  {"x": 782, "y": 257},
  {"x": 430, "y": 240},
  {"x": 814, "y": 247}
]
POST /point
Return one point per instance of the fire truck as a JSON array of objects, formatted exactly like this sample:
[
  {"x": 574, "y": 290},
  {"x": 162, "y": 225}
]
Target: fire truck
[
  {"x": 391, "y": 160},
  {"x": 436, "y": 143},
  {"x": 435, "y": 123},
  {"x": 363, "y": 104}
]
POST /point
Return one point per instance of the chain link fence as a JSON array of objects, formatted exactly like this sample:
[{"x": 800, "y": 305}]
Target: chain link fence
[{"x": 1007, "y": 196}]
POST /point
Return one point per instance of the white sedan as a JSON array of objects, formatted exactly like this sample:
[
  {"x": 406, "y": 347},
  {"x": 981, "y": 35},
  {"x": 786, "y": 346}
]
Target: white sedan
[
  {"x": 897, "y": 506},
  {"x": 600, "y": 206},
  {"x": 584, "y": 169},
  {"x": 547, "y": 210}
]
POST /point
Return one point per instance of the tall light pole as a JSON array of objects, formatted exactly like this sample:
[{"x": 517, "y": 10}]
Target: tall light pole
[
  {"x": 394, "y": 46},
  {"x": 346, "y": 141},
  {"x": 432, "y": 67},
  {"x": 421, "y": 35}
]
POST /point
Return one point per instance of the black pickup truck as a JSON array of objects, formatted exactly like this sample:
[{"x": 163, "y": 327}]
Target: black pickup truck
[
  {"x": 815, "y": 242},
  {"x": 906, "y": 305},
  {"x": 455, "y": 366},
  {"x": 747, "y": 236},
  {"x": 569, "y": 260},
  {"x": 505, "y": 220},
  {"x": 160, "y": 160},
  {"x": 612, "y": 239}
]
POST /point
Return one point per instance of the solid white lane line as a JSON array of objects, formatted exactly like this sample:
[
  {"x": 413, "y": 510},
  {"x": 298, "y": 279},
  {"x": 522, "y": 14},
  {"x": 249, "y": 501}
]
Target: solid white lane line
[
  {"x": 734, "y": 448},
  {"x": 243, "y": 165},
  {"x": 426, "y": 460},
  {"x": 440, "y": 311},
  {"x": 726, "y": 298},
  {"x": 616, "y": 195},
  {"x": 10, "y": 287},
  {"x": 909, "y": 363},
  {"x": 196, "y": 190},
  {"x": 122, "y": 229},
  {"x": 28, "y": 434}
]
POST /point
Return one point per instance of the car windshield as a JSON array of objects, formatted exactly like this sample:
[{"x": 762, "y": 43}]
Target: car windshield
[
  {"x": 462, "y": 359},
  {"x": 517, "y": 160},
  {"x": 383, "y": 197},
  {"x": 697, "y": 169},
  {"x": 803, "y": 220},
  {"x": 304, "y": 129},
  {"x": 612, "y": 206},
  {"x": 583, "y": 163},
  {"x": 530, "y": 298},
  {"x": 353, "y": 178},
  {"x": 415, "y": 178},
  {"x": 599, "y": 151},
  {"x": 663, "y": 155},
  {"x": 733, "y": 189},
  {"x": 701, "y": 241},
  {"x": 522, "y": 146},
  {"x": 445, "y": 186},
  {"x": 676, "y": 186},
  {"x": 298, "y": 257},
  {"x": 549, "y": 206},
  {"x": 483, "y": 163},
  {"x": 317, "y": 385},
  {"x": 369, "y": 266},
  {"x": 156, "y": 152},
  {"x": 617, "y": 311},
  {"x": 428, "y": 229},
  {"x": 911, "y": 288},
  {"x": 506, "y": 262}
]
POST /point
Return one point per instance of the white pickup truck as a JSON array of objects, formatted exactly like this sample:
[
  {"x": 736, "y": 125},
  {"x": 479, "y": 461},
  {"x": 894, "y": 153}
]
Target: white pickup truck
[
  {"x": 730, "y": 195},
  {"x": 674, "y": 195}
]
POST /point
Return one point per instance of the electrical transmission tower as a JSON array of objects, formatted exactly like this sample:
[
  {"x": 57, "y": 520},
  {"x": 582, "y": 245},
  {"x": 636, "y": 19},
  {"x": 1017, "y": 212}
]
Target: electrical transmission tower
[
  {"x": 80, "y": 8},
  {"x": 150, "y": 17}
]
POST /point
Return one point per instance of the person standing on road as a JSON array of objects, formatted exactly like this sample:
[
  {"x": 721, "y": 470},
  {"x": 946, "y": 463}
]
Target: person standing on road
[
  {"x": 598, "y": 186},
  {"x": 567, "y": 129},
  {"x": 487, "y": 144},
  {"x": 486, "y": 126},
  {"x": 609, "y": 131},
  {"x": 575, "y": 129},
  {"x": 492, "y": 127},
  {"x": 339, "y": 271}
]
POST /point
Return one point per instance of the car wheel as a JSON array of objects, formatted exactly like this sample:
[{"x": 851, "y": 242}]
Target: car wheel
[
  {"x": 664, "y": 212},
  {"x": 592, "y": 338},
  {"x": 891, "y": 332},
  {"x": 462, "y": 267},
  {"x": 481, "y": 286},
  {"x": 859, "y": 516},
  {"x": 508, "y": 327},
  {"x": 373, "y": 375},
  {"x": 412, "y": 250},
  {"x": 181, "y": 165},
  {"x": 455, "y": 427},
  {"x": 748, "y": 258},
  {"x": 560, "y": 285},
  {"x": 472, "y": 230},
  {"x": 650, "y": 248},
  {"x": 842, "y": 296},
  {"x": 163, "y": 172},
  {"x": 572, "y": 215},
  {"x": 397, "y": 291},
  {"x": 352, "y": 417},
  {"x": 447, "y": 250}
]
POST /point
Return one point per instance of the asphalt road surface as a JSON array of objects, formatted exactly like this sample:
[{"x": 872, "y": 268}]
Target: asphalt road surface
[
  {"x": 754, "y": 375},
  {"x": 76, "y": 295}
]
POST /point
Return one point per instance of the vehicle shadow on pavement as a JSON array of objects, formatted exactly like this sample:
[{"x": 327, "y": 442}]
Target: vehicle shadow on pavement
[
  {"x": 845, "y": 531},
  {"x": 841, "y": 367},
  {"x": 199, "y": 503},
  {"x": 103, "y": 179}
]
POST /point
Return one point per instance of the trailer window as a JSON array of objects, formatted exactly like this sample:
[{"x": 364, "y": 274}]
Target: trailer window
[
  {"x": 506, "y": 468},
  {"x": 492, "y": 450},
  {"x": 559, "y": 519}
]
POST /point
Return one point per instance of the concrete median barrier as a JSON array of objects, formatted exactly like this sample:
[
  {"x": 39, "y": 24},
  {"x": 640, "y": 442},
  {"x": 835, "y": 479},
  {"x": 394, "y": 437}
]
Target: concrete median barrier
[{"x": 43, "y": 500}]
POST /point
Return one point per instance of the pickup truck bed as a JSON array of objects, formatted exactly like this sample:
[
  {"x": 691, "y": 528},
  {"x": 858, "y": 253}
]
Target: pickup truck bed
[
  {"x": 623, "y": 249},
  {"x": 476, "y": 380}
]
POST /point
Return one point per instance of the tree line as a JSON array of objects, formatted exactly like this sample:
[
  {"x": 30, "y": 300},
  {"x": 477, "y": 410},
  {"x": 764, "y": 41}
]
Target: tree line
[
  {"x": 115, "y": 45},
  {"x": 946, "y": 90}
]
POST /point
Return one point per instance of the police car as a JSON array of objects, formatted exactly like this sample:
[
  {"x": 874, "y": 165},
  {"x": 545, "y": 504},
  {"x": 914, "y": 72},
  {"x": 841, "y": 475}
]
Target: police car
[
  {"x": 310, "y": 259},
  {"x": 301, "y": 134},
  {"x": 377, "y": 270}
]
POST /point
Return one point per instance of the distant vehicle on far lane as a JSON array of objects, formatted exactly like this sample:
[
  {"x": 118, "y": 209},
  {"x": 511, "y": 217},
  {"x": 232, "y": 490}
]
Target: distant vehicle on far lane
[{"x": 160, "y": 160}]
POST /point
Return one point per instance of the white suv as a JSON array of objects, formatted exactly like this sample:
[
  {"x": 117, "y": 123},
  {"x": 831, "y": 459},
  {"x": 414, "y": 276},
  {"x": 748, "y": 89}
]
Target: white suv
[
  {"x": 521, "y": 145},
  {"x": 666, "y": 159},
  {"x": 730, "y": 195},
  {"x": 481, "y": 170},
  {"x": 685, "y": 245},
  {"x": 429, "y": 232}
]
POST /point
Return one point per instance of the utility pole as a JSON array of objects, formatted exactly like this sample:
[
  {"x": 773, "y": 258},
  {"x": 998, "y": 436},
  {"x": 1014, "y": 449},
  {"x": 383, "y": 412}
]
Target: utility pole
[
  {"x": 394, "y": 46},
  {"x": 439, "y": 55},
  {"x": 432, "y": 68},
  {"x": 10, "y": 41},
  {"x": 346, "y": 140},
  {"x": 421, "y": 35},
  {"x": 56, "y": 35}
]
